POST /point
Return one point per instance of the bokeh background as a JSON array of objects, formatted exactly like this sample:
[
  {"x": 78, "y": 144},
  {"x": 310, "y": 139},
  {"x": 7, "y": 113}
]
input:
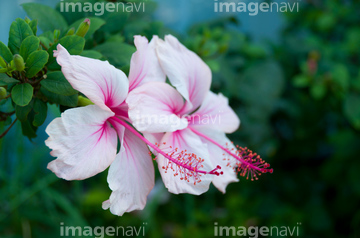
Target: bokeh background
[{"x": 293, "y": 79}]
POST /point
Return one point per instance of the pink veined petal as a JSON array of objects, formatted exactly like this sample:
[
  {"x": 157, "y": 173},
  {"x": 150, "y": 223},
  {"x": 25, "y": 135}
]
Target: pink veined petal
[
  {"x": 131, "y": 177},
  {"x": 154, "y": 107},
  {"x": 189, "y": 141},
  {"x": 101, "y": 82},
  {"x": 83, "y": 142},
  {"x": 185, "y": 70},
  {"x": 215, "y": 113},
  {"x": 121, "y": 111},
  {"x": 220, "y": 157},
  {"x": 145, "y": 66}
]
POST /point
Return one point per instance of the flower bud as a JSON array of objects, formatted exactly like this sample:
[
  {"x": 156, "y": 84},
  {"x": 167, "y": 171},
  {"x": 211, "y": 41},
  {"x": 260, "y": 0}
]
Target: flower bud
[
  {"x": 71, "y": 32},
  {"x": 3, "y": 93},
  {"x": 83, "y": 101},
  {"x": 19, "y": 62},
  {"x": 83, "y": 28}
]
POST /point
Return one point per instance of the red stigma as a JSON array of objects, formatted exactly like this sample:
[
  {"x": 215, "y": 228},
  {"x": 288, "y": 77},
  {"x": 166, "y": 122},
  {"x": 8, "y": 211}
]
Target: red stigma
[{"x": 249, "y": 164}]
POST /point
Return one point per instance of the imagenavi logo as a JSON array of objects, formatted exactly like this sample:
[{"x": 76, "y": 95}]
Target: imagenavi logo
[{"x": 253, "y": 8}]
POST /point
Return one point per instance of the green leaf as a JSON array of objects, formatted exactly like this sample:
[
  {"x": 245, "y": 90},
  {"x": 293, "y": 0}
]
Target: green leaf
[
  {"x": 118, "y": 54},
  {"x": 95, "y": 24},
  {"x": 115, "y": 21},
  {"x": 48, "y": 18},
  {"x": 23, "y": 112},
  {"x": 28, "y": 129},
  {"x": 74, "y": 45},
  {"x": 352, "y": 109},
  {"x": 40, "y": 109},
  {"x": 57, "y": 83},
  {"x": 4, "y": 70},
  {"x": 36, "y": 62},
  {"x": 318, "y": 90},
  {"x": 92, "y": 54},
  {"x": 29, "y": 45},
  {"x": 5, "y": 53},
  {"x": 301, "y": 81},
  {"x": 19, "y": 30},
  {"x": 33, "y": 25},
  {"x": 45, "y": 41},
  {"x": 70, "y": 101},
  {"x": 4, "y": 78},
  {"x": 22, "y": 94}
]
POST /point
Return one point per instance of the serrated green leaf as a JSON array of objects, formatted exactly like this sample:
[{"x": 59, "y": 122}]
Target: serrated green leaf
[
  {"x": 29, "y": 45},
  {"x": 23, "y": 112},
  {"x": 57, "y": 83},
  {"x": 22, "y": 94},
  {"x": 92, "y": 54},
  {"x": 70, "y": 101},
  {"x": 73, "y": 44},
  {"x": 4, "y": 78},
  {"x": 33, "y": 25},
  {"x": 48, "y": 18},
  {"x": 95, "y": 24},
  {"x": 5, "y": 53},
  {"x": 118, "y": 54},
  {"x": 19, "y": 30},
  {"x": 36, "y": 62},
  {"x": 40, "y": 109}
]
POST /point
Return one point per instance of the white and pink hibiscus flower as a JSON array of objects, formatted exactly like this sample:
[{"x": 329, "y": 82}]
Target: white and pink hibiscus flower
[
  {"x": 197, "y": 124},
  {"x": 85, "y": 139}
]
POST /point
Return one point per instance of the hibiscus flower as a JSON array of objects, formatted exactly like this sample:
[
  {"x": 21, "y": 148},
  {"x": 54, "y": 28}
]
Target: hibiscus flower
[
  {"x": 197, "y": 124},
  {"x": 85, "y": 139}
]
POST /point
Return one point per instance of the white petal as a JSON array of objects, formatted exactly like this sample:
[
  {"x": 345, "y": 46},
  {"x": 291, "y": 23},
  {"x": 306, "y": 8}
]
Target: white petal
[
  {"x": 131, "y": 176},
  {"x": 219, "y": 157},
  {"x": 185, "y": 70},
  {"x": 189, "y": 141},
  {"x": 154, "y": 107},
  {"x": 83, "y": 142},
  {"x": 101, "y": 82},
  {"x": 145, "y": 66},
  {"x": 215, "y": 113}
]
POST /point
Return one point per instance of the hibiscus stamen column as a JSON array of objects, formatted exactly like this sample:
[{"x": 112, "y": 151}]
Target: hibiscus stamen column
[
  {"x": 187, "y": 165},
  {"x": 249, "y": 164}
]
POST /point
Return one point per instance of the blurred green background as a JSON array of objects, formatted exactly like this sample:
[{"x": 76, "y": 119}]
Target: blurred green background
[{"x": 297, "y": 95}]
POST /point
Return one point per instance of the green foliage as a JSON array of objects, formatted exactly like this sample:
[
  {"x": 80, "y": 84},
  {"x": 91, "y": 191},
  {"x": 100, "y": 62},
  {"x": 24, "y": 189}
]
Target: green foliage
[
  {"x": 48, "y": 18},
  {"x": 28, "y": 46},
  {"x": 19, "y": 30},
  {"x": 22, "y": 94},
  {"x": 55, "y": 82},
  {"x": 23, "y": 75},
  {"x": 74, "y": 44},
  {"x": 36, "y": 62},
  {"x": 118, "y": 54},
  {"x": 5, "y": 53}
]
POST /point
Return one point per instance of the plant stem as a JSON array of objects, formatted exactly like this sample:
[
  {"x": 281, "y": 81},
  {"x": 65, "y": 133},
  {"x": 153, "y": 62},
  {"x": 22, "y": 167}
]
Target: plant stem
[{"x": 7, "y": 130}]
